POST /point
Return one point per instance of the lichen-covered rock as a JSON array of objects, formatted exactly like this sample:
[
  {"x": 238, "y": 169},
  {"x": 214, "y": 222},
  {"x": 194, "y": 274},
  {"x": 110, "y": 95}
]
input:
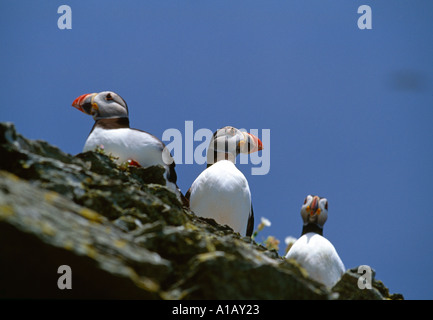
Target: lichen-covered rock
[
  {"x": 348, "y": 288},
  {"x": 41, "y": 230},
  {"x": 125, "y": 235}
]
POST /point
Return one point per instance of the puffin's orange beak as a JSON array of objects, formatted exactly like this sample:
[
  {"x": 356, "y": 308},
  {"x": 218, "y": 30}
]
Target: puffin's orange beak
[
  {"x": 84, "y": 103},
  {"x": 258, "y": 145},
  {"x": 314, "y": 205}
]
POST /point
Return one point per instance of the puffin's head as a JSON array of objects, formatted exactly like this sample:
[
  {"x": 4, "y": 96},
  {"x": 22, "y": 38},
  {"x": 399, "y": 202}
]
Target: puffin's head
[
  {"x": 102, "y": 105},
  {"x": 315, "y": 210},
  {"x": 228, "y": 142}
]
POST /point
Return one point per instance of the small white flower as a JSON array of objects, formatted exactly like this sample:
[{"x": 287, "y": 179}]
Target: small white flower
[
  {"x": 265, "y": 222},
  {"x": 289, "y": 240}
]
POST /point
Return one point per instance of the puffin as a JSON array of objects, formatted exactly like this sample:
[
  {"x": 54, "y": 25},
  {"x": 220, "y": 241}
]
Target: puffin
[
  {"x": 112, "y": 132},
  {"x": 312, "y": 250},
  {"x": 221, "y": 191}
]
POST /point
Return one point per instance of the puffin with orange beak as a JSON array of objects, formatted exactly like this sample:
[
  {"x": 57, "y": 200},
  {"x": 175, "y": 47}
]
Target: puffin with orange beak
[
  {"x": 221, "y": 191},
  {"x": 312, "y": 251},
  {"x": 112, "y": 132}
]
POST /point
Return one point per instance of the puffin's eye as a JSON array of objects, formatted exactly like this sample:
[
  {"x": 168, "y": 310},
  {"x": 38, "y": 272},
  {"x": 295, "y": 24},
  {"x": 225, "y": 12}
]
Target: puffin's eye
[
  {"x": 305, "y": 201},
  {"x": 109, "y": 97},
  {"x": 326, "y": 205}
]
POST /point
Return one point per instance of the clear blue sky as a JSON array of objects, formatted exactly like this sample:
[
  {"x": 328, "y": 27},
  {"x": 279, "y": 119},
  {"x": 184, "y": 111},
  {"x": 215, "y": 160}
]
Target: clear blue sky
[{"x": 350, "y": 111}]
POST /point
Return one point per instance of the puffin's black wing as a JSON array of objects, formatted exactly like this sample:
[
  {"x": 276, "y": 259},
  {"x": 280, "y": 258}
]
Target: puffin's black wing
[
  {"x": 250, "y": 225},
  {"x": 187, "y": 196},
  {"x": 188, "y": 193},
  {"x": 171, "y": 174}
]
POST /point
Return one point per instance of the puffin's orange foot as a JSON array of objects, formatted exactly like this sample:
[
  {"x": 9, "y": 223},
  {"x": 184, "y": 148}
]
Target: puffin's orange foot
[{"x": 133, "y": 163}]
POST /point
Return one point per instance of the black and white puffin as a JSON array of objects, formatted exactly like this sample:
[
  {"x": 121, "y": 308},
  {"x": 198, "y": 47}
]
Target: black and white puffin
[
  {"x": 221, "y": 191},
  {"x": 111, "y": 130},
  {"x": 312, "y": 251}
]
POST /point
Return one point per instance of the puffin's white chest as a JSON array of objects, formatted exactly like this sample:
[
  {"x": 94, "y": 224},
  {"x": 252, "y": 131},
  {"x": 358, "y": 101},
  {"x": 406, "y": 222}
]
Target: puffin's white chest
[
  {"x": 221, "y": 192},
  {"x": 126, "y": 144},
  {"x": 318, "y": 256}
]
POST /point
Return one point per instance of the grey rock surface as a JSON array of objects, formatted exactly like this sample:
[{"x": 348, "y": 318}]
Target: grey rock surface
[{"x": 126, "y": 236}]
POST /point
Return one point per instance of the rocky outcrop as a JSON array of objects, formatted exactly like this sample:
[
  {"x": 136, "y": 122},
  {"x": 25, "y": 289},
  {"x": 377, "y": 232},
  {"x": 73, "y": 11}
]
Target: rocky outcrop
[{"x": 125, "y": 235}]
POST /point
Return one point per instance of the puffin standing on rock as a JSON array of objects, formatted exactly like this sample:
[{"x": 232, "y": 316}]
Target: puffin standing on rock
[
  {"x": 221, "y": 191},
  {"x": 312, "y": 251},
  {"x": 112, "y": 132}
]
